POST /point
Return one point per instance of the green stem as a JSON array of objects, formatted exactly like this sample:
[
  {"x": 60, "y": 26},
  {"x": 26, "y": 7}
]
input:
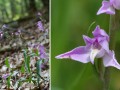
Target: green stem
[
  {"x": 101, "y": 69},
  {"x": 114, "y": 26},
  {"x": 106, "y": 79}
]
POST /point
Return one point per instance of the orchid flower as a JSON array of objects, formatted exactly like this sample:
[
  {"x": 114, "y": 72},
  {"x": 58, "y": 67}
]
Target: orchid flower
[
  {"x": 5, "y": 76},
  {"x": 42, "y": 52},
  {"x": 40, "y": 26},
  {"x": 97, "y": 47},
  {"x": 109, "y": 7}
]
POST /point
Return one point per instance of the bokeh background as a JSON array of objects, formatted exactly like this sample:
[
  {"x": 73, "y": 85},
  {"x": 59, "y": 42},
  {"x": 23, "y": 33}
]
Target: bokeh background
[
  {"x": 12, "y": 10},
  {"x": 70, "y": 19}
]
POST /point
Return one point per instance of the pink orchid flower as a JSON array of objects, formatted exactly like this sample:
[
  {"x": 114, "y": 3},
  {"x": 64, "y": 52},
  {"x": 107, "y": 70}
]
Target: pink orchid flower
[
  {"x": 109, "y": 7},
  {"x": 97, "y": 47}
]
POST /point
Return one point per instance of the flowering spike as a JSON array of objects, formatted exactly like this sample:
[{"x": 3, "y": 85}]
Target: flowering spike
[{"x": 97, "y": 47}]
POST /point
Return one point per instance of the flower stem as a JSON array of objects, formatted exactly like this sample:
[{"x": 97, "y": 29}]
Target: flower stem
[
  {"x": 113, "y": 27},
  {"x": 101, "y": 69}
]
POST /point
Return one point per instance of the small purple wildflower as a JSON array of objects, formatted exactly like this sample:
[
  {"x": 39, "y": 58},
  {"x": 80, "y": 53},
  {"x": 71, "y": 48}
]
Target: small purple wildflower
[
  {"x": 35, "y": 45},
  {"x": 40, "y": 26},
  {"x": 18, "y": 32},
  {"x": 40, "y": 48},
  {"x": 1, "y": 34},
  {"x": 44, "y": 66},
  {"x": 5, "y": 76},
  {"x": 39, "y": 14},
  {"x": 97, "y": 47},
  {"x": 109, "y": 7},
  {"x": 42, "y": 52},
  {"x": 4, "y": 26}
]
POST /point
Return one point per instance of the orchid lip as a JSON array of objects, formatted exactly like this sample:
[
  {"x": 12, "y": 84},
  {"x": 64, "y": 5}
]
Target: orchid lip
[{"x": 93, "y": 54}]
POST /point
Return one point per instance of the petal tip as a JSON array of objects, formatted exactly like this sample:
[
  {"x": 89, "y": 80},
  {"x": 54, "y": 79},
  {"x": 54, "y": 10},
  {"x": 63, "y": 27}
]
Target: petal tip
[
  {"x": 84, "y": 36},
  {"x": 106, "y": 8},
  {"x": 98, "y": 13},
  {"x": 110, "y": 60},
  {"x": 58, "y": 57},
  {"x": 92, "y": 62}
]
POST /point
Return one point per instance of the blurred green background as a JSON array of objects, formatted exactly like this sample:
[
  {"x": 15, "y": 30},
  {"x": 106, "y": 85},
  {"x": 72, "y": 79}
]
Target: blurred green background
[
  {"x": 11, "y": 10},
  {"x": 70, "y": 19}
]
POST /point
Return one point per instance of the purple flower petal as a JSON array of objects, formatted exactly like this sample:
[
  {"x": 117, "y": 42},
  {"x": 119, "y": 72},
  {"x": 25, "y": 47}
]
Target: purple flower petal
[
  {"x": 5, "y": 76},
  {"x": 115, "y": 3},
  {"x": 79, "y": 54},
  {"x": 40, "y": 26},
  {"x": 98, "y": 32},
  {"x": 101, "y": 53},
  {"x": 103, "y": 43},
  {"x": 109, "y": 60},
  {"x": 88, "y": 40},
  {"x": 42, "y": 52},
  {"x": 106, "y": 8},
  {"x": 102, "y": 37}
]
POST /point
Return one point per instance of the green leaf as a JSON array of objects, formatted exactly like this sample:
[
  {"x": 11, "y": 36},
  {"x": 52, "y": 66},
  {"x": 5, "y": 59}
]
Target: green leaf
[
  {"x": 27, "y": 61},
  {"x": 32, "y": 54},
  {"x": 7, "y": 62},
  {"x": 30, "y": 79},
  {"x": 36, "y": 52},
  {"x": 89, "y": 28},
  {"x": 22, "y": 69},
  {"x": 38, "y": 66},
  {"x": 38, "y": 70},
  {"x": 8, "y": 81}
]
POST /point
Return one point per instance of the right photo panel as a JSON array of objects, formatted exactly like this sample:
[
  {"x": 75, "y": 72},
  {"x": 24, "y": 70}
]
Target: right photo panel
[{"x": 85, "y": 40}]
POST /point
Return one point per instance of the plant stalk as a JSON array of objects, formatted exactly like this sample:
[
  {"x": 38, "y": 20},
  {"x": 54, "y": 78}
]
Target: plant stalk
[
  {"x": 101, "y": 70},
  {"x": 114, "y": 25}
]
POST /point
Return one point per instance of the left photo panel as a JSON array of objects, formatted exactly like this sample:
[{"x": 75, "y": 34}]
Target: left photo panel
[{"x": 24, "y": 45}]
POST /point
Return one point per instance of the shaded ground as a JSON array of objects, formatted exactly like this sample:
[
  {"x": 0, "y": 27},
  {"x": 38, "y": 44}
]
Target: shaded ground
[{"x": 13, "y": 74}]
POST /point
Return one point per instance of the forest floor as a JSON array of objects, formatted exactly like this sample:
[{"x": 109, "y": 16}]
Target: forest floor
[{"x": 13, "y": 73}]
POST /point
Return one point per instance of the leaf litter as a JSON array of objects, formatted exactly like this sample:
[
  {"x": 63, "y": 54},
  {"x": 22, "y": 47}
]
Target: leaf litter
[{"x": 13, "y": 73}]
